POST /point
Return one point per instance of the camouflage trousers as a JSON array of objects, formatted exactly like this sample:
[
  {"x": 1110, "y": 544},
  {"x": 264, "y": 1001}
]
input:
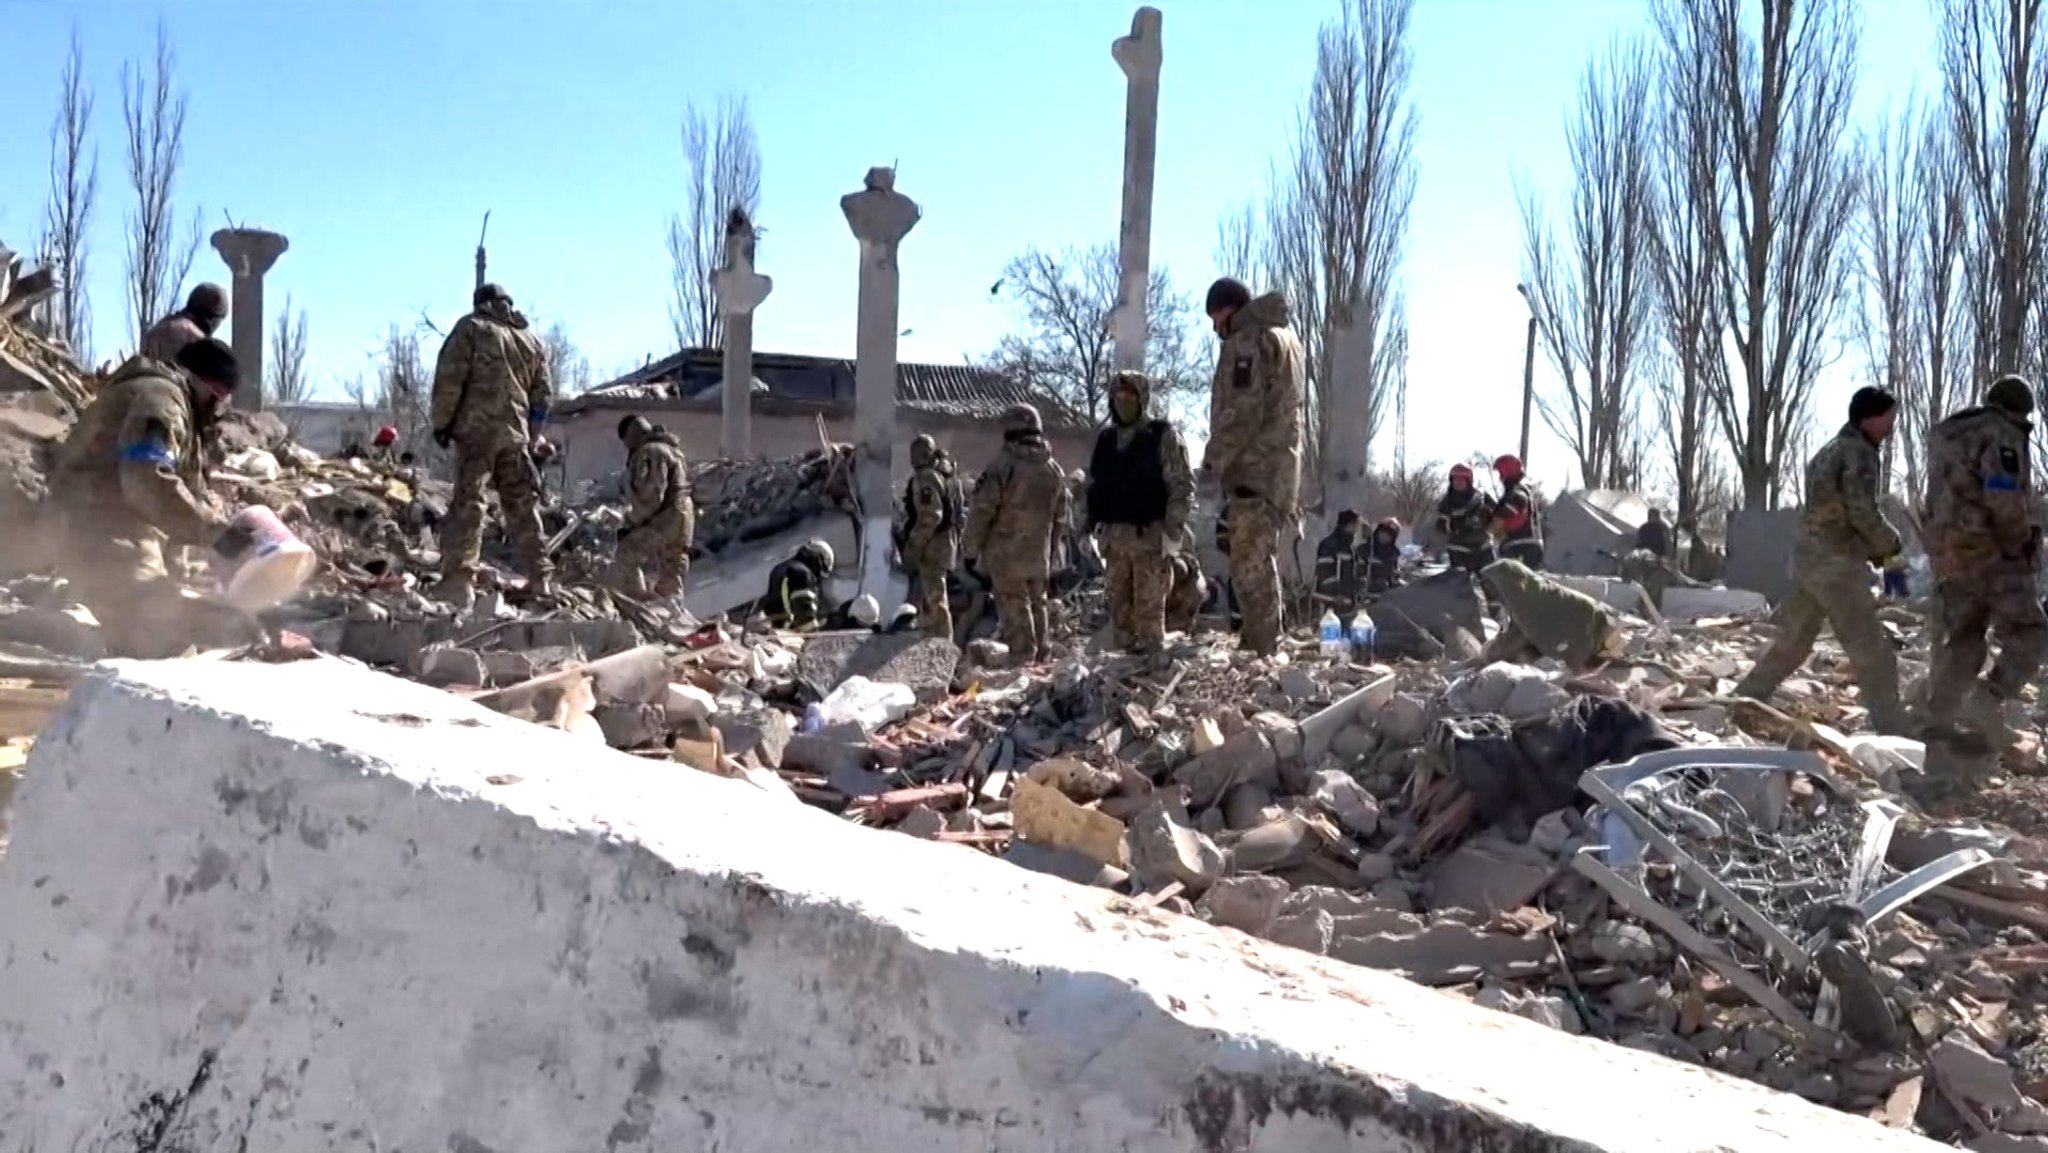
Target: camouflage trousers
[
  {"x": 655, "y": 556},
  {"x": 1189, "y": 590},
  {"x": 143, "y": 613},
  {"x": 934, "y": 605},
  {"x": 1833, "y": 591},
  {"x": 1256, "y": 527},
  {"x": 2002, "y": 603},
  {"x": 1140, "y": 575},
  {"x": 1026, "y": 612},
  {"x": 505, "y": 466}
]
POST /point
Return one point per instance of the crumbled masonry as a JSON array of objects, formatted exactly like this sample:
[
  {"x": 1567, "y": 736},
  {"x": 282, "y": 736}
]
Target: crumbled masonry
[{"x": 1617, "y": 848}]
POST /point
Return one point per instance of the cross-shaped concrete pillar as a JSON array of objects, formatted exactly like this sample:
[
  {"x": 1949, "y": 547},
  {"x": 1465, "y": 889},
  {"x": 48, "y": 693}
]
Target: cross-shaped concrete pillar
[
  {"x": 249, "y": 253},
  {"x": 740, "y": 291},
  {"x": 880, "y": 218},
  {"x": 1139, "y": 55}
]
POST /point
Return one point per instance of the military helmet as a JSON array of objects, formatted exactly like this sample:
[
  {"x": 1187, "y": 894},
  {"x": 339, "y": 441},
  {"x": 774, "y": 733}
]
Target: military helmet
[
  {"x": 2011, "y": 394},
  {"x": 923, "y": 450},
  {"x": 208, "y": 300},
  {"x": 489, "y": 293},
  {"x": 819, "y": 554},
  {"x": 1022, "y": 418}
]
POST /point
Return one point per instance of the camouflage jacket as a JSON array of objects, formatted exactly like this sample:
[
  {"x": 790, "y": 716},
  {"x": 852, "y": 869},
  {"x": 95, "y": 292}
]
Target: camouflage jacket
[
  {"x": 1018, "y": 501},
  {"x": 1980, "y": 475},
  {"x": 169, "y": 336},
  {"x": 657, "y": 480},
  {"x": 133, "y": 462},
  {"x": 932, "y": 511},
  {"x": 489, "y": 384},
  {"x": 1255, "y": 406},
  {"x": 1841, "y": 520}
]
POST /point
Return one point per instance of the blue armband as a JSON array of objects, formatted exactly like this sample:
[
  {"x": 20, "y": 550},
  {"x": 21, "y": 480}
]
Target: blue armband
[
  {"x": 2002, "y": 482},
  {"x": 537, "y": 415},
  {"x": 154, "y": 452}
]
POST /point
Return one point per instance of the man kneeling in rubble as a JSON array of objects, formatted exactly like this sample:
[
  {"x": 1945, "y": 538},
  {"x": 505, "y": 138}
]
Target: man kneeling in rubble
[
  {"x": 130, "y": 475},
  {"x": 796, "y": 588}
]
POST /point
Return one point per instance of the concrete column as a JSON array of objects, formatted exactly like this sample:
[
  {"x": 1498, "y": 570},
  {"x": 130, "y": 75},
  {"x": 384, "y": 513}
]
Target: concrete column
[
  {"x": 249, "y": 253},
  {"x": 1346, "y": 457},
  {"x": 1139, "y": 56},
  {"x": 880, "y": 218},
  {"x": 740, "y": 291}
]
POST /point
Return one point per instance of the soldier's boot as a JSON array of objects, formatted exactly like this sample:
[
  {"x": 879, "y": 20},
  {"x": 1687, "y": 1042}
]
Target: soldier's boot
[{"x": 458, "y": 591}]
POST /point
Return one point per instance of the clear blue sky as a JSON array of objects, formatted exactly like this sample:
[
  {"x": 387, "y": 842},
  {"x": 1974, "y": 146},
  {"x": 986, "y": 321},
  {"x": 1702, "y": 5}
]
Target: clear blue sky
[{"x": 376, "y": 134}]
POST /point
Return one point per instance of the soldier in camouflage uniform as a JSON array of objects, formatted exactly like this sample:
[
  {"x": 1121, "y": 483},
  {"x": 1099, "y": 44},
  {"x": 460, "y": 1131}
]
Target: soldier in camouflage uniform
[
  {"x": 660, "y": 518},
  {"x": 1254, "y": 449},
  {"x": 1982, "y": 545},
  {"x": 1019, "y": 503},
  {"x": 491, "y": 395},
  {"x": 1841, "y": 533},
  {"x": 931, "y": 534},
  {"x": 1140, "y": 492},
  {"x": 204, "y": 312},
  {"x": 129, "y": 477}
]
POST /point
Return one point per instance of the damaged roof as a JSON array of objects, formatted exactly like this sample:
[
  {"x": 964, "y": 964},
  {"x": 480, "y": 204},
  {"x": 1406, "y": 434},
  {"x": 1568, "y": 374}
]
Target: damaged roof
[{"x": 693, "y": 378}]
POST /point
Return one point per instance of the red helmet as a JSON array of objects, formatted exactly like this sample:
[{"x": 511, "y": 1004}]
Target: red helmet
[
  {"x": 1461, "y": 472},
  {"x": 1509, "y": 465},
  {"x": 386, "y": 435}
]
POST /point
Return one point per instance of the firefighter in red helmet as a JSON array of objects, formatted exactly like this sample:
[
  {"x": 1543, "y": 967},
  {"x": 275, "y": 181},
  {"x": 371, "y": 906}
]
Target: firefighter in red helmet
[
  {"x": 1515, "y": 520},
  {"x": 1462, "y": 520}
]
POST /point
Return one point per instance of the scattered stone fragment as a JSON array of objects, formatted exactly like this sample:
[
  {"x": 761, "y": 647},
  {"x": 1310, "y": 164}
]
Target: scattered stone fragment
[
  {"x": 1298, "y": 685},
  {"x": 1249, "y": 904},
  {"x": 689, "y": 703},
  {"x": 1246, "y": 757},
  {"x": 630, "y": 726},
  {"x": 1280, "y": 844},
  {"x": 1357, "y": 810},
  {"x": 1633, "y": 998},
  {"x": 1247, "y": 806},
  {"x": 1620, "y": 943},
  {"x": 1162, "y": 852},
  {"x": 1355, "y": 741},
  {"x": 1404, "y": 721},
  {"x": 1974, "y": 1075},
  {"x": 922, "y": 822},
  {"x": 442, "y": 667},
  {"x": 1489, "y": 875},
  {"x": 765, "y": 733},
  {"x": 1375, "y": 867}
]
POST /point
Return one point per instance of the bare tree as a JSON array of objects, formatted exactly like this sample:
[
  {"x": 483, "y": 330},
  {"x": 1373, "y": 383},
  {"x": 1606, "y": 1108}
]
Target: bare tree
[
  {"x": 1063, "y": 303},
  {"x": 1941, "y": 320},
  {"x": 404, "y": 391},
  {"x": 74, "y": 189},
  {"x": 724, "y": 155},
  {"x": 1691, "y": 196},
  {"x": 1241, "y": 245},
  {"x": 1408, "y": 495},
  {"x": 288, "y": 383},
  {"x": 1994, "y": 69},
  {"x": 1889, "y": 280},
  {"x": 1336, "y": 225},
  {"x": 1594, "y": 300},
  {"x": 1783, "y": 96},
  {"x": 153, "y": 113},
  {"x": 568, "y": 368}
]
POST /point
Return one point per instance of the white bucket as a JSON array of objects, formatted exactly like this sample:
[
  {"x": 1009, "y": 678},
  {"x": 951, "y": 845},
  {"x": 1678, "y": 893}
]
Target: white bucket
[{"x": 273, "y": 568}]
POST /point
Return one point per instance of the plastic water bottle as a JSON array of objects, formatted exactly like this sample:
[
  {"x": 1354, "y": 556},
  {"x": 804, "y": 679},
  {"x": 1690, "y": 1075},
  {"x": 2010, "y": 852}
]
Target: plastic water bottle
[
  {"x": 1364, "y": 637},
  {"x": 1332, "y": 636}
]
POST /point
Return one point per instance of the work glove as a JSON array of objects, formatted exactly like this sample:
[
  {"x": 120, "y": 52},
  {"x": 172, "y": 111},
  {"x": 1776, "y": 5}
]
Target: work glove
[
  {"x": 443, "y": 437},
  {"x": 234, "y": 540},
  {"x": 1169, "y": 545}
]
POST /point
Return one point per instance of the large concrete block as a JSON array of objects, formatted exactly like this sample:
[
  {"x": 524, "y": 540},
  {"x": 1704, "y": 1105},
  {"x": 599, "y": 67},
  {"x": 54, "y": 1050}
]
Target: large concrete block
[
  {"x": 1760, "y": 544},
  {"x": 314, "y": 908}
]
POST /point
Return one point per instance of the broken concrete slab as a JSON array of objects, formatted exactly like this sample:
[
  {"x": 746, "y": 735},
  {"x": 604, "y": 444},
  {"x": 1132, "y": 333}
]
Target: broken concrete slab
[
  {"x": 1162, "y": 852},
  {"x": 926, "y": 664},
  {"x": 1275, "y": 845},
  {"x": 764, "y": 732},
  {"x": 1444, "y": 951},
  {"x": 1048, "y": 816},
  {"x": 1489, "y": 874},
  {"x": 630, "y": 726},
  {"x": 1361, "y": 704},
  {"x": 1347, "y": 800},
  {"x": 1247, "y": 757},
  {"x": 357, "y": 824},
  {"x": 1249, "y": 904},
  {"x": 1066, "y": 864},
  {"x": 443, "y": 667},
  {"x": 1974, "y": 1075}
]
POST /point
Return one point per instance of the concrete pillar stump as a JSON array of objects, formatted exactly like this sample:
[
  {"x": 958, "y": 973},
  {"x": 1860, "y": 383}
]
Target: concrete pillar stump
[{"x": 248, "y": 253}]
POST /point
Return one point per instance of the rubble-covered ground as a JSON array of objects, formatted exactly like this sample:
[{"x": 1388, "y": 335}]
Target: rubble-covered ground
[{"x": 1622, "y": 851}]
